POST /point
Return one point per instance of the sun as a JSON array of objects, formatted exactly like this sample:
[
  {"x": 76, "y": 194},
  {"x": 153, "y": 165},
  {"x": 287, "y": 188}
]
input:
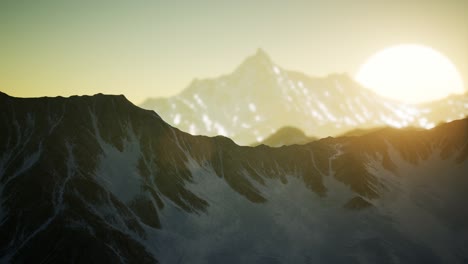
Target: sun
[{"x": 410, "y": 73}]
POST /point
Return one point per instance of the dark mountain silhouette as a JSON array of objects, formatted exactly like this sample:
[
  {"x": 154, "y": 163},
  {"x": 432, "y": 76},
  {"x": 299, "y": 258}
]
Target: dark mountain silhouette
[
  {"x": 260, "y": 97},
  {"x": 360, "y": 132},
  {"x": 286, "y": 136},
  {"x": 95, "y": 179}
]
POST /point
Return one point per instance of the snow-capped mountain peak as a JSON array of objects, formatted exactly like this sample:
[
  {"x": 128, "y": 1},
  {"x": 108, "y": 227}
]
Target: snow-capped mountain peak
[{"x": 259, "y": 97}]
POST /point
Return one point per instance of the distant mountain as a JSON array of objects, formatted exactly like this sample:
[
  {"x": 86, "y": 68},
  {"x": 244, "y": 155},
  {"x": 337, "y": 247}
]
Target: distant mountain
[
  {"x": 361, "y": 132},
  {"x": 95, "y": 179},
  {"x": 286, "y": 136},
  {"x": 260, "y": 97}
]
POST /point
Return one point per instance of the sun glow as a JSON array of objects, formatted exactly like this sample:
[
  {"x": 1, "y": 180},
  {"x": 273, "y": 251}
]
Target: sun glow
[{"x": 410, "y": 73}]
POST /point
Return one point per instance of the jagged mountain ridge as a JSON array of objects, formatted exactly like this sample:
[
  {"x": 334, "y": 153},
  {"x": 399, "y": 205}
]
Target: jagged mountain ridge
[
  {"x": 260, "y": 97},
  {"x": 97, "y": 179}
]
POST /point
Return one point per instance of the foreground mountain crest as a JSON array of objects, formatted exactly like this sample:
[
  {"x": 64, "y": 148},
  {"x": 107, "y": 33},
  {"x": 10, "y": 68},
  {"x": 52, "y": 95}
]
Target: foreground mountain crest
[{"x": 97, "y": 179}]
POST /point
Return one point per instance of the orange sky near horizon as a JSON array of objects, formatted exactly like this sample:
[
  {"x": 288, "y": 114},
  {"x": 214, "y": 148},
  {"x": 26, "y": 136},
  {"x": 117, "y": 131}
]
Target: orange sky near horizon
[{"x": 155, "y": 48}]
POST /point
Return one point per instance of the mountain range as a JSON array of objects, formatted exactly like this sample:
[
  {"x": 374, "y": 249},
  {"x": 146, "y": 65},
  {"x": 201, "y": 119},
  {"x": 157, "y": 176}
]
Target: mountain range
[
  {"x": 260, "y": 97},
  {"x": 96, "y": 179}
]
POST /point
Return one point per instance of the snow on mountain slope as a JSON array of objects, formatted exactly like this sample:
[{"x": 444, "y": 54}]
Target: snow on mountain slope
[
  {"x": 260, "y": 97},
  {"x": 97, "y": 179}
]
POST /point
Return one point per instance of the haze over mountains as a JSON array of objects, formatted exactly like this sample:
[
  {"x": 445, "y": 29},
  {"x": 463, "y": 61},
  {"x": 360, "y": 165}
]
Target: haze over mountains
[
  {"x": 260, "y": 97},
  {"x": 286, "y": 136},
  {"x": 95, "y": 179}
]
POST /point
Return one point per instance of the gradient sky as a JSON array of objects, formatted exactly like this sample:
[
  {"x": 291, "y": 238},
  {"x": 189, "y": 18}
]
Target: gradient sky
[{"x": 155, "y": 48}]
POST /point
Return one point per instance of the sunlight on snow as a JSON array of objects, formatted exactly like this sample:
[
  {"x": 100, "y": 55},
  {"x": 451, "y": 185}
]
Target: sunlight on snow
[
  {"x": 276, "y": 70},
  {"x": 207, "y": 122},
  {"x": 192, "y": 129},
  {"x": 252, "y": 107},
  {"x": 177, "y": 119},
  {"x": 199, "y": 101}
]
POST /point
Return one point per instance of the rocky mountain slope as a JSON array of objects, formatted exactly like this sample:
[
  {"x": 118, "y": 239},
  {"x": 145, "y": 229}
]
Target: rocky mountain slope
[
  {"x": 95, "y": 179},
  {"x": 260, "y": 97}
]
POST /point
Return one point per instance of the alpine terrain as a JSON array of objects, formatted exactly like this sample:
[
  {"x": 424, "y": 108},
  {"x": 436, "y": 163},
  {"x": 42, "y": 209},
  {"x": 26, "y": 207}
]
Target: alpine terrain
[
  {"x": 96, "y": 179},
  {"x": 260, "y": 97}
]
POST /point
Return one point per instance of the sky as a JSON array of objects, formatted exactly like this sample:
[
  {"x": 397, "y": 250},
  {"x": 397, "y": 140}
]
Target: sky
[{"x": 144, "y": 48}]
